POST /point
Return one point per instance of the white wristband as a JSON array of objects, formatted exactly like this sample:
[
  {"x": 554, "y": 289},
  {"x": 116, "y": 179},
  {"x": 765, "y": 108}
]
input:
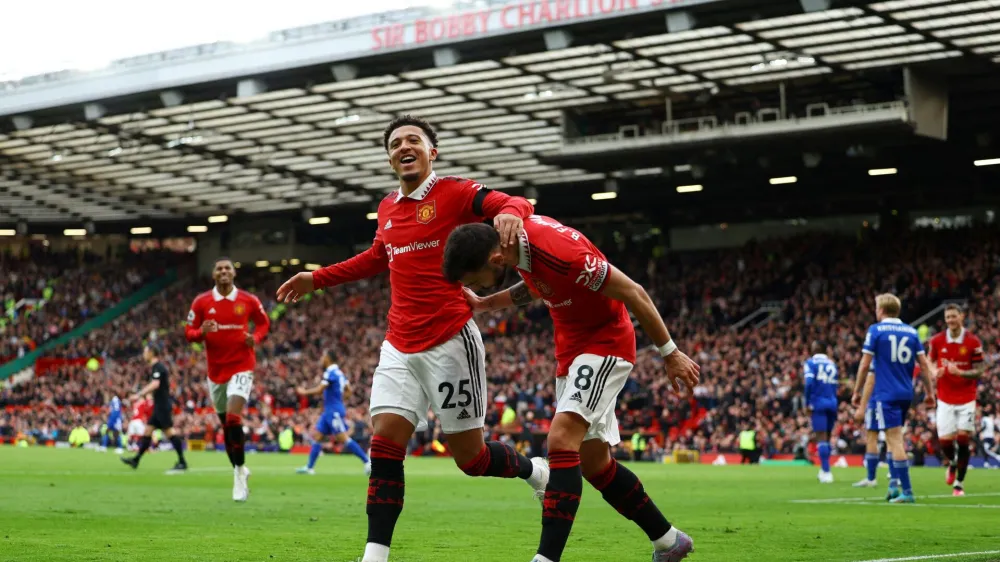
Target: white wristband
[{"x": 667, "y": 348}]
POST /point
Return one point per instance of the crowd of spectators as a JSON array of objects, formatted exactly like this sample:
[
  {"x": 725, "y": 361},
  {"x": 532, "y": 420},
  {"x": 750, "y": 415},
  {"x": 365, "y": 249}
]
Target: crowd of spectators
[
  {"x": 751, "y": 376},
  {"x": 73, "y": 286}
]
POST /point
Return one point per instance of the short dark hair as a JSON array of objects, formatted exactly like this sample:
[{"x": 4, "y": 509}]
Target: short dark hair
[
  {"x": 409, "y": 121},
  {"x": 954, "y": 306},
  {"x": 329, "y": 353},
  {"x": 223, "y": 258},
  {"x": 155, "y": 348},
  {"x": 468, "y": 249}
]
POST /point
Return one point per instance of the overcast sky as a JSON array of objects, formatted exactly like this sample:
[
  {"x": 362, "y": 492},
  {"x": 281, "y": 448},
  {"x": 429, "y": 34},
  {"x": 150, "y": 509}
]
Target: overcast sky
[{"x": 47, "y": 35}]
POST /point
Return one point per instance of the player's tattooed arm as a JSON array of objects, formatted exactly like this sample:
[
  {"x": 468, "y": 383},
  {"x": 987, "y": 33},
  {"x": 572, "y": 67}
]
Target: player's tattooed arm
[{"x": 520, "y": 295}]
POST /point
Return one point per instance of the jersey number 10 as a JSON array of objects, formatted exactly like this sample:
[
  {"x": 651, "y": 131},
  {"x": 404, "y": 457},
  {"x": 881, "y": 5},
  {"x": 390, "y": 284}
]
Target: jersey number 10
[{"x": 899, "y": 351}]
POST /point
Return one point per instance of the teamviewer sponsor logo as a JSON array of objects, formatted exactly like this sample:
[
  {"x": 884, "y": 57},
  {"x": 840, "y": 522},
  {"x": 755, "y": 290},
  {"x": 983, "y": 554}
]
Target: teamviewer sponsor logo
[
  {"x": 230, "y": 326},
  {"x": 394, "y": 251}
]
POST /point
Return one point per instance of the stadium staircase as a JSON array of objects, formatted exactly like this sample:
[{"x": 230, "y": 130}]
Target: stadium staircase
[{"x": 23, "y": 364}]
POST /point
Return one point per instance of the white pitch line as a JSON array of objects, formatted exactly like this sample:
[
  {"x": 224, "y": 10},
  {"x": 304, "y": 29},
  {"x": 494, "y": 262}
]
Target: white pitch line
[
  {"x": 882, "y": 498},
  {"x": 935, "y": 556}
]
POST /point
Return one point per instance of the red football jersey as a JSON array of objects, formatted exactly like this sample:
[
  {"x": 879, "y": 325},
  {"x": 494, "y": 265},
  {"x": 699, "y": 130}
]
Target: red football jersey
[
  {"x": 412, "y": 230},
  {"x": 142, "y": 410},
  {"x": 564, "y": 268},
  {"x": 226, "y": 349},
  {"x": 965, "y": 351}
]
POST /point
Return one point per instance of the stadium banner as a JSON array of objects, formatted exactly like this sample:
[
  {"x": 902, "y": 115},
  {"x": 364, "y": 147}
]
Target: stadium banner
[{"x": 323, "y": 43}]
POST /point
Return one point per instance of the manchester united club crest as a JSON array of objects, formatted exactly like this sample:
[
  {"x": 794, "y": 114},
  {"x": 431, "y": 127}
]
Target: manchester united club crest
[
  {"x": 963, "y": 351},
  {"x": 426, "y": 212},
  {"x": 239, "y": 309},
  {"x": 544, "y": 289}
]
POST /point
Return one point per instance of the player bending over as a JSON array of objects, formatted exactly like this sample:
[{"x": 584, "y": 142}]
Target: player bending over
[
  {"x": 821, "y": 398},
  {"x": 589, "y": 301},
  {"x": 162, "y": 417},
  {"x": 433, "y": 354},
  {"x": 893, "y": 347},
  {"x": 221, "y": 318},
  {"x": 333, "y": 421},
  {"x": 114, "y": 426},
  {"x": 958, "y": 356}
]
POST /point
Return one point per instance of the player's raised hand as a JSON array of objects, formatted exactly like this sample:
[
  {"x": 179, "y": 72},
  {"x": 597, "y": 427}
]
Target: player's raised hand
[
  {"x": 681, "y": 368},
  {"x": 509, "y": 227},
  {"x": 295, "y": 288},
  {"x": 209, "y": 326}
]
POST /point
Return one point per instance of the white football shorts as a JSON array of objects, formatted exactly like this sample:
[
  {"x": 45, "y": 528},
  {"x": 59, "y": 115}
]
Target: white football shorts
[
  {"x": 591, "y": 390},
  {"x": 239, "y": 385},
  {"x": 449, "y": 379},
  {"x": 952, "y": 418}
]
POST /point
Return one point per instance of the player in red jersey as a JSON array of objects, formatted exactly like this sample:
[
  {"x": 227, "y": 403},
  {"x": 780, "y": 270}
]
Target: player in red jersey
[
  {"x": 433, "y": 355},
  {"x": 958, "y": 355},
  {"x": 221, "y": 319},
  {"x": 589, "y": 301}
]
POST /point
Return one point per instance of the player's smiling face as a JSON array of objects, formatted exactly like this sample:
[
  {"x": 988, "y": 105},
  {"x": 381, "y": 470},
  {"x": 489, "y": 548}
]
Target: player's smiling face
[
  {"x": 224, "y": 273},
  {"x": 953, "y": 319},
  {"x": 410, "y": 153}
]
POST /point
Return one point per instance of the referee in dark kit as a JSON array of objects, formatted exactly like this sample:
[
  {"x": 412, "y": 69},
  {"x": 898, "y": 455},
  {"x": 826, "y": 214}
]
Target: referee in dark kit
[{"x": 162, "y": 417}]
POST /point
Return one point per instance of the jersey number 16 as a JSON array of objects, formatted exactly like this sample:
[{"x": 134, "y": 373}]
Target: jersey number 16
[{"x": 899, "y": 351}]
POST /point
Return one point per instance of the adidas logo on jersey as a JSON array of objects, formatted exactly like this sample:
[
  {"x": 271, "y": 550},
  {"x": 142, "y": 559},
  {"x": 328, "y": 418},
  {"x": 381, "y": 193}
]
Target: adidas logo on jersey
[
  {"x": 464, "y": 415},
  {"x": 388, "y": 225},
  {"x": 211, "y": 310},
  {"x": 576, "y": 396}
]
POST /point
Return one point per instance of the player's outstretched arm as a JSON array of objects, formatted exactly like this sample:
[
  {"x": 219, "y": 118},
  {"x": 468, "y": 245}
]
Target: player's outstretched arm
[
  {"x": 318, "y": 389},
  {"x": 621, "y": 287},
  {"x": 193, "y": 331},
  {"x": 367, "y": 264},
  {"x": 516, "y": 295}
]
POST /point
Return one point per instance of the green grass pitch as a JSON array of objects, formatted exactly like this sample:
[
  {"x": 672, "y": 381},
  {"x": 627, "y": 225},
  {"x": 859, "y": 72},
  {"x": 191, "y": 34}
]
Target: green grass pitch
[{"x": 60, "y": 504}]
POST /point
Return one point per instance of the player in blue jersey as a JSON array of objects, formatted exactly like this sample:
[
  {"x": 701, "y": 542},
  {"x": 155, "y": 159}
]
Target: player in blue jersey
[
  {"x": 335, "y": 389},
  {"x": 114, "y": 426},
  {"x": 893, "y": 347},
  {"x": 820, "y": 374}
]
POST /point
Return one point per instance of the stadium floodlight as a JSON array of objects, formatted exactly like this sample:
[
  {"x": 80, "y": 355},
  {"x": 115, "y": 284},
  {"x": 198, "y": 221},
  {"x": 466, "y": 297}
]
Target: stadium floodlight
[
  {"x": 882, "y": 172},
  {"x": 218, "y": 218},
  {"x": 262, "y": 263},
  {"x": 603, "y": 195},
  {"x": 312, "y": 266},
  {"x": 75, "y": 232},
  {"x": 7, "y": 232},
  {"x": 689, "y": 188},
  {"x": 372, "y": 216},
  {"x": 275, "y": 269},
  {"x": 784, "y": 180},
  {"x": 197, "y": 228},
  {"x": 319, "y": 220},
  {"x": 294, "y": 261},
  {"x": 987, "y": 162},
  {"x": 141, "y": 230}
]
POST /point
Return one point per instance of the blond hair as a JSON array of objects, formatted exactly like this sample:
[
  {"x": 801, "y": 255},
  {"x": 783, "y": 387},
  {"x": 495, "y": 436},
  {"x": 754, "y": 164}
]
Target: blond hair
[{"x": 889, "y": 304}]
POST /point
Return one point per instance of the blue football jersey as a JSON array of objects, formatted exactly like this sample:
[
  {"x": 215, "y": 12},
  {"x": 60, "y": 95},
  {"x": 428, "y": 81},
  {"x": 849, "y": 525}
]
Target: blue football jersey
[
  {"x": 894, "y": 347},
  {"x": 821, "y": 382},
  {"x": 333, "y": 392},
  {"x": 115, "y": 408}
]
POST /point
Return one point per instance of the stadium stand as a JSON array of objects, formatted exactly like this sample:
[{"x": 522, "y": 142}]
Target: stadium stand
[{"x": 750, "y": 371}]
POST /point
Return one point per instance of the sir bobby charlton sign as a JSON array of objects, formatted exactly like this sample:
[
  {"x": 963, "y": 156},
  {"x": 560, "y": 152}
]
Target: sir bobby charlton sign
[{"x": 507, "y": 19}]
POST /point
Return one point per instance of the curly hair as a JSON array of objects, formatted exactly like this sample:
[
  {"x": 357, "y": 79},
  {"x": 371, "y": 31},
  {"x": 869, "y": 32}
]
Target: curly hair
[{"x": 406, "y": 121}]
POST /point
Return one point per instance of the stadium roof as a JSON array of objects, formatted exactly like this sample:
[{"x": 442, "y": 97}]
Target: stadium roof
[{"x": 309, "y": 140}]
